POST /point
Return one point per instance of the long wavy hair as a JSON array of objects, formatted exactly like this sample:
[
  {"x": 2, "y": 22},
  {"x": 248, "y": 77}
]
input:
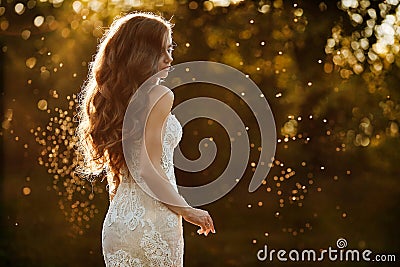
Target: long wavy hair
[{"x": 127, "y": 55}]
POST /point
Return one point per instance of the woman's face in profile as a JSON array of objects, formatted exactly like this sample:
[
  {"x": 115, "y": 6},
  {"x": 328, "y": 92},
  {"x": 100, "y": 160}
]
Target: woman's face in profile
[{"x": 166, "y": 57}]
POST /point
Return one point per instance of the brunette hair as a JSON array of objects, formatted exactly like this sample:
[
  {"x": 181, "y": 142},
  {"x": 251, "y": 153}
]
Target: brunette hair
[{"x": 127, "y": 55}]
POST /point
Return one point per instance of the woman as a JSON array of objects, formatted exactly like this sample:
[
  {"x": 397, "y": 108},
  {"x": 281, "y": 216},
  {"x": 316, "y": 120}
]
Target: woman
[{"x": 139, "y": 229}]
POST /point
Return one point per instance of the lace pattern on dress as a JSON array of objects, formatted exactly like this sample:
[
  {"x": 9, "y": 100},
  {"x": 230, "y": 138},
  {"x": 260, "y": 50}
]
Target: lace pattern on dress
[
  {"x": 122, "y": 259},
  {"x": 172, "y": 136},
  {"x": 156, "y": 249},
  {"x": 171, "y": 221},
  {"x": 138, "y": 230},
  {"x": 128, "y": 208}
]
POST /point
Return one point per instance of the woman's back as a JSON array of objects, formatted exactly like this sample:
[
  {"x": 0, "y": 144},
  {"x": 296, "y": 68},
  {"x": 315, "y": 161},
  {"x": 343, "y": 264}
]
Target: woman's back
[{"x": 138, "y": 229}]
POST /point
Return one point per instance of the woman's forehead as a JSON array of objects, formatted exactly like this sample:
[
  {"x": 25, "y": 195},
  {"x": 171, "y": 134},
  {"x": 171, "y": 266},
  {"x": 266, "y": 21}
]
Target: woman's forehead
[{"x": 168, "y": 39}]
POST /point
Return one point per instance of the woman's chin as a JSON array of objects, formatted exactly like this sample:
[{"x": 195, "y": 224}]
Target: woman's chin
[{"x": 162, "y": 74}]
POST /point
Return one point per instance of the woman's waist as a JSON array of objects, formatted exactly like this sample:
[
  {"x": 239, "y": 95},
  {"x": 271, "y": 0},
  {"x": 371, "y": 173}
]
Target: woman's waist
[{"x": 135, "y": 178}]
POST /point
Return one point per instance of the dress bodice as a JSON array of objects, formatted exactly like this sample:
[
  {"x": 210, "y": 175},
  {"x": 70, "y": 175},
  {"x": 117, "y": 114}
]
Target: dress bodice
[
  {"x": 139, "y": 230},
  {"x": 172, "y": 136}
]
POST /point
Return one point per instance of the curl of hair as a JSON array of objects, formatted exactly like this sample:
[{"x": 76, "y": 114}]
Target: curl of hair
[{"x": 127, "y": 55}]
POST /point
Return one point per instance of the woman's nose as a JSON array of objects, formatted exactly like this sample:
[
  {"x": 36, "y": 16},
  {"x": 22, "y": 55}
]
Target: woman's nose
[{"x": 168, "y": 58}]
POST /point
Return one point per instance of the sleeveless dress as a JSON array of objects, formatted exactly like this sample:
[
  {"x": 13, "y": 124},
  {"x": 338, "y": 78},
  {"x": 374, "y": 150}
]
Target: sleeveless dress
[{"x": 139, "y": 230}]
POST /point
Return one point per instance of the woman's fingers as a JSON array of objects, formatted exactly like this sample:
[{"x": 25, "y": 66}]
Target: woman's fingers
[
  {"x": 201, "y": 218},
  {"x": 207, "y": 227},
  {"x": 211, "y": 225}
]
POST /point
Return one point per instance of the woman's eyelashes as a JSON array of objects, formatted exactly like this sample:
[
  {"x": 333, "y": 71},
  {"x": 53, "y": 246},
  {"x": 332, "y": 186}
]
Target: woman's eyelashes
[
  {"x": 168, "y": 51},
  {"x": 171, "y": 48}
]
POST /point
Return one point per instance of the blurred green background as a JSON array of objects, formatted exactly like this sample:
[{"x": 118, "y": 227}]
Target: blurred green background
[{"x": 329, "y": 70}]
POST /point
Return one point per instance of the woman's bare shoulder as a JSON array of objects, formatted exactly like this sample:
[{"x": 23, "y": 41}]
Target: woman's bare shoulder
[
  {"x": 162, "y": 98},
  {"x": 161, "y": 90}
]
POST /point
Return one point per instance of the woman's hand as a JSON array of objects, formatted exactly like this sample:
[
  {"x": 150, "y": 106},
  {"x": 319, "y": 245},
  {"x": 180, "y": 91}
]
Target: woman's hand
[{"x": 201, "y": 218}]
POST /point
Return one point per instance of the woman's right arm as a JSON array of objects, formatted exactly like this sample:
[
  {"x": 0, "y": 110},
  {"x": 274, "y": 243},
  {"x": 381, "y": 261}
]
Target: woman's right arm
[{"x": 161, "y": 100}]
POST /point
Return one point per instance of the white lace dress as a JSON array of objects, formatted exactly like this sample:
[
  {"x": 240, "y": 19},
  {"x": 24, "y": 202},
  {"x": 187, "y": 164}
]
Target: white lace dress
[{"x": 139, "y": 230}]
